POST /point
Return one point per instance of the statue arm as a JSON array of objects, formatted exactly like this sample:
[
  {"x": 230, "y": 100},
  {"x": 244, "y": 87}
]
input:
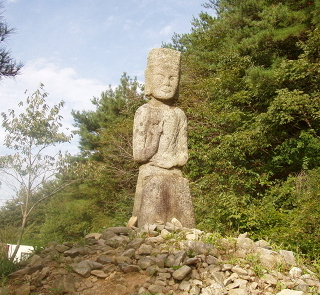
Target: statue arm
[
  {"x": 146, "y": 136},
  {"x": 182, "y": 156}
]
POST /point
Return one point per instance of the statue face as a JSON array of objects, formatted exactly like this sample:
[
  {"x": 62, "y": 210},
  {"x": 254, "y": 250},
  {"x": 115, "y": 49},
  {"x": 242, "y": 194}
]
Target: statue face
[{"x": 164, "y": 82}]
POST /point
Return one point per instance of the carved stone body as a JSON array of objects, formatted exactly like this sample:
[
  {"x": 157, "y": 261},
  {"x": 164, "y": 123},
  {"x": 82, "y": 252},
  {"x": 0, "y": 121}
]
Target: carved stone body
[{"x": 160, "y": 146}]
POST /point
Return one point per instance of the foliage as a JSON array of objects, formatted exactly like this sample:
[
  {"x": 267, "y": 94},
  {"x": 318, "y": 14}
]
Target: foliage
[
  {"x": 8, "y": 66},
  {"x": 6, "y": 267},
  {"x": 29, "y": 172},
  {"x": 254, "y": 68},
  {"x": 106, "y": 197}
]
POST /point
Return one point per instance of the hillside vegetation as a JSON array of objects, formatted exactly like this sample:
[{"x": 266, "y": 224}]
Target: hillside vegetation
[{"x": 250, "y": 89}]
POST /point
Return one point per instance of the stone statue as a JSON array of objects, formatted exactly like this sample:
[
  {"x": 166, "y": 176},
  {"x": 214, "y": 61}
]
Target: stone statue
[{"x": 160, "y": 145}]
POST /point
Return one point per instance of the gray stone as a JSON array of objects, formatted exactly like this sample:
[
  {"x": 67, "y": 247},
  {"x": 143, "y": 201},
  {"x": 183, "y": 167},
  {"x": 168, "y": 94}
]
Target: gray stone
[
  {"x": 117, "y": 241},
  {"x": 262, "y": 244},
  {"x": 23, "y": 290},
  {"x": 240, "y": 271},
  {"x": 178, "y": 258},
  {"x": 122, "y": 259},
  {"x": 155, "y": 289},
  {"x": 160, "y": 259},
  {"x": 289, "y": 292},
  {"x": 135, "y": 243},
  {"x": 120, "y": 230},
  {"x": 44, "y": 273},
  {"x": 4, "y": 290},
  {"x": 268, "y": 258},
  {"x": 288, "y": 257},
  {"x": 182, "y": 272},
  {"x": 99, "y": 273},
  {"x": 107, "y": 234},
  {"x": 36, "y": 261},
  {"x": 185, "y": 286},
  {"x": 198, "y": 246},
  {"x": 93, "y": 264},
  {"x": 176, "y": 223},
  {"x": 62, "y": 248},
  {"x": 132, "y": 221},
  {"x": 104, "y": 259},
  {"x": 217, "y": 276},
  {"x": 20, "y": 273},
  {"x": 129, "y": 252},
  {"x": 73, "y": 252},
  {"x": 195, "y": 290},
  {"x": 65, "y": 284},
  {"x": 130, "y": 268},
  {"x": 238, "y": 292},
  {"x": 212, "y": 260},
  {"x": 82, "y": 268},
  {"x": 144, "y": 250},
  {"x": 245, "y": 243},
  {"x": 145, "y": 262},
  {"x": 191, "y": 261},
  {"x": 160, "y": 146},
  {"x": 270, "y": 279},
  {"x": 165, "y": 233},
  {"x": 164, "y": 276},
  {"x": 213, "y": 289}
]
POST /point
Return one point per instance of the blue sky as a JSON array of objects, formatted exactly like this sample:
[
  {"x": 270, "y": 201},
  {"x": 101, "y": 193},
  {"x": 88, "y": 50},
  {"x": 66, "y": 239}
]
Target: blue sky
[{"x": 76, "y": 48}]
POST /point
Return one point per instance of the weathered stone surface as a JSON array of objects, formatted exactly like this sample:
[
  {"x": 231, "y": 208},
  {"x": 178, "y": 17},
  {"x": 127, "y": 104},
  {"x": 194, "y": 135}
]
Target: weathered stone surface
[
  {"x": 99, "y": 273},
  {"x": 129, "y": 253},
  {"x": 65, "y": 284},
  {"x": 238, "y": 292},
  {"x": 182, "y": 272},
  {"x": 135, "y": 243},
  {"x": 73, "y": 252},
  {"x": 120, "y": 230},
  {"x": 288, "y": 256},
  {"x": 95, "y": 236},
  {"x": 145, "y": 249},
  {"x": 4, "y": 290},
  {"x": 130, "y": 268},
  {"x": 290, "y": 292},
  {"x": 104, "y": 259},
  {"x": 155, "y": 289},
  {"x": 82, "y": 268},
  {"x": 23, "y": 290},
  {"x": 198, "y": 246},
  {"x": 132, "y": 221},
  {"x": 269, "y": 258},
  {"x": 107, "y": 234},
  {"x": 62, "y": 248},
  {"x": 160, "y": 146},
  {"x": 201, "y": 275},
  {"x": 145, "y": 262}
]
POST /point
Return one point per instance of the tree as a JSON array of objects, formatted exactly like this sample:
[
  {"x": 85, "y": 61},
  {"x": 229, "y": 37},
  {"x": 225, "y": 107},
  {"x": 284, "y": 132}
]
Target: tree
[
  {"x": 106, "y": 144},
  {"x": 30, "y": 171},
  {"x": 8, "y": 66},
  {"x": 250, "y": 88},
  {"x": 112, "y": 106}
]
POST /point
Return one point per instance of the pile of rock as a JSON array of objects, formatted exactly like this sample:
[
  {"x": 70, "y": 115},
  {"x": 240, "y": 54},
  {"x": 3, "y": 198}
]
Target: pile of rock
[{"x": 163, "y": 259}]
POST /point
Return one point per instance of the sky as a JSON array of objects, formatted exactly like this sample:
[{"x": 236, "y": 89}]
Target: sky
[{"x": 77, "y": 48}]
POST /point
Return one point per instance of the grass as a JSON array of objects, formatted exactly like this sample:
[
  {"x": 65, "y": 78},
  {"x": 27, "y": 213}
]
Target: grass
[{"x": 6, "y": 267}]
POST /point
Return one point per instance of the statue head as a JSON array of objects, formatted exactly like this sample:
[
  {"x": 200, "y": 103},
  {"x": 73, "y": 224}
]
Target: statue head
[{"x": 162, "y": 74}]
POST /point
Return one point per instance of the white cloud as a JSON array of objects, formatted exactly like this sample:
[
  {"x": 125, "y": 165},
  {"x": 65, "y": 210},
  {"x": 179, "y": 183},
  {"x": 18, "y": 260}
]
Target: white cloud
[
  {"x": 60, "y": 83},
  {"x": 166, "y": 31}
]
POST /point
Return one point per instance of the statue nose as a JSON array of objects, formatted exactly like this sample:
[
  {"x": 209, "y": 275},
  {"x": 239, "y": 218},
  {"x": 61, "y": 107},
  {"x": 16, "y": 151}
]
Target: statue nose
[{"x": 167, "y": 81}]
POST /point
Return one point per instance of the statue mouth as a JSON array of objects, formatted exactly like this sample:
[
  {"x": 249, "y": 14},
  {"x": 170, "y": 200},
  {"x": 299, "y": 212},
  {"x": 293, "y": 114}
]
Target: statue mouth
[{"x": 166, "y": 90}]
